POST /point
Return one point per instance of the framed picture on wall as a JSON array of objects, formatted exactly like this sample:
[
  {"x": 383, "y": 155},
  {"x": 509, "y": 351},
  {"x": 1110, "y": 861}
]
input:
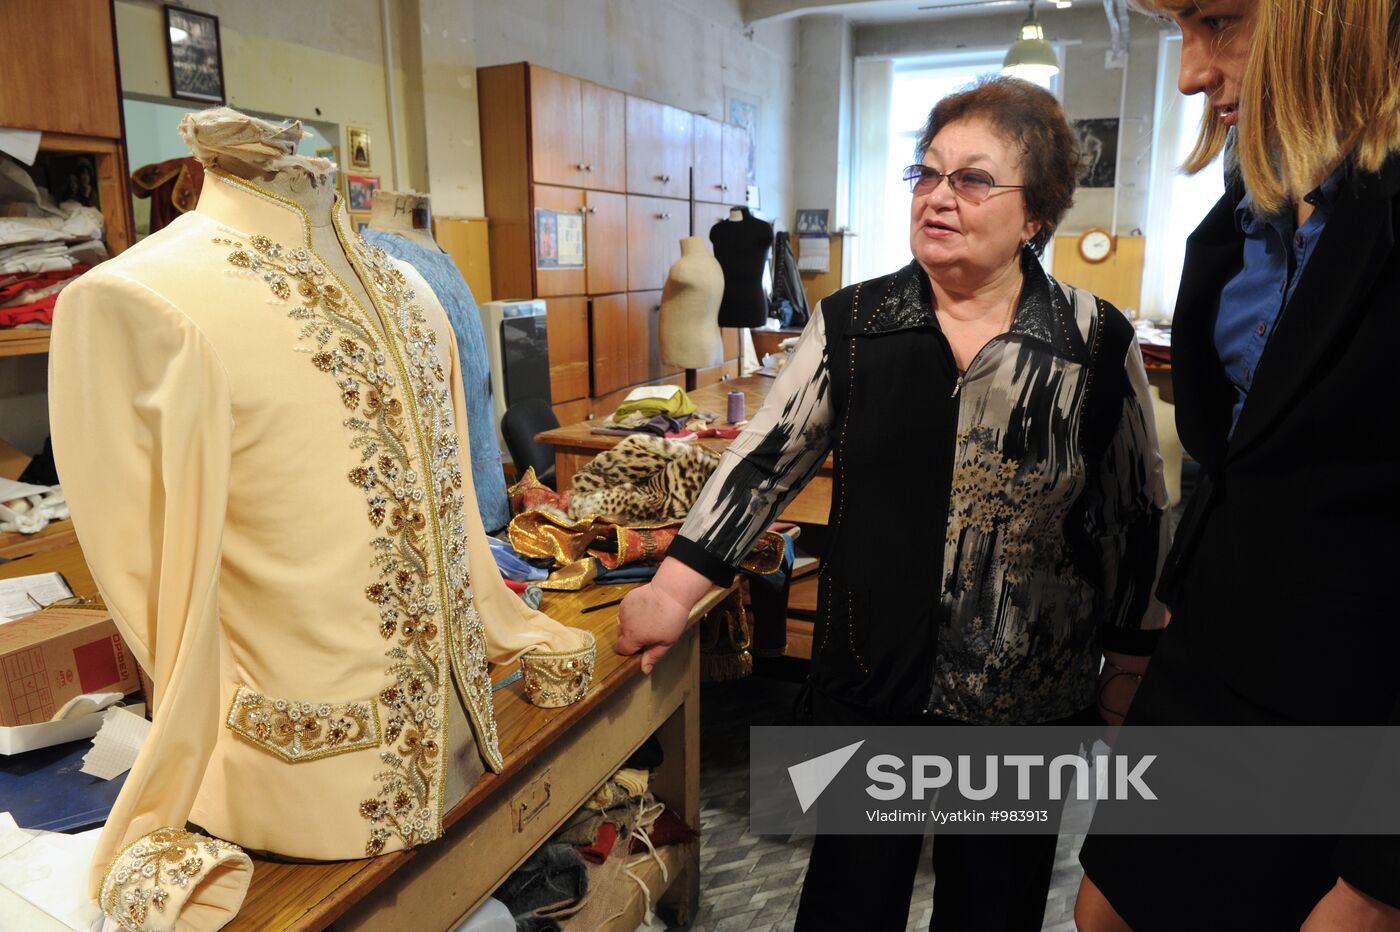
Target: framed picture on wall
[
  {"x": 360, "y": 191},
  {"x": 359, "y": 148},
  {"x": 331, "y": 155},
  {"x": 359, "y": 222},
  {"x": 195, "y": 55}
]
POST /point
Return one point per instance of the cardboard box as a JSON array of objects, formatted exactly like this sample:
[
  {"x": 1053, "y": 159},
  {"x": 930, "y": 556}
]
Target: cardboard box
[{"x": 49, "y": 657}]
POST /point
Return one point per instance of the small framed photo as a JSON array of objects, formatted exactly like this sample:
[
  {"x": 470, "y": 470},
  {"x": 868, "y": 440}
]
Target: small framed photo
[
  {"x": 359, "y": 148},
  {"x": 195, "y": 55},
  {"x": 359, "y": 222},
  {"x": 812, "y": 221},
  {"x": 360, "y": 190}
]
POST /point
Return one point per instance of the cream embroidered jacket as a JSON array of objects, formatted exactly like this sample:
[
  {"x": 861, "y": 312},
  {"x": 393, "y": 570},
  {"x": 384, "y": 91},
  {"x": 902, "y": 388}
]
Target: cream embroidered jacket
[{"x": 269, "y": 482}]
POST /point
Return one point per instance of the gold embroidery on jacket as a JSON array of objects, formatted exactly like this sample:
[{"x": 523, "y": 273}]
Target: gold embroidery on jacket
[
  {"x": 142, "y": 875},
  {"x": 347, "y": 347},
  {"x": 299, "y": 731}
]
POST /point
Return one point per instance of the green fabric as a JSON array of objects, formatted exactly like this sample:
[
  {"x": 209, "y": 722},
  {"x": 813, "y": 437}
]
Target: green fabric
[{"x": 677, "y": 405}]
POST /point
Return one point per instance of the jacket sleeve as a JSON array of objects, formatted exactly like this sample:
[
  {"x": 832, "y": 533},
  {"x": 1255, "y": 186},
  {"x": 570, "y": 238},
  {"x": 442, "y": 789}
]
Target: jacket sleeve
[
  {"x": 766, "y": 466},
  {"x": 513, "y": 630},
  {"x": 140, "y": 412},
  {"x": 1129, "y": 523}
]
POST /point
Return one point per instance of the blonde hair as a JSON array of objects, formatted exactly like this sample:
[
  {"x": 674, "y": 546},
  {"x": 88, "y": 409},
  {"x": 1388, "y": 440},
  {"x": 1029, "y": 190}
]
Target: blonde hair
[{"x": 1320, "y": 84}]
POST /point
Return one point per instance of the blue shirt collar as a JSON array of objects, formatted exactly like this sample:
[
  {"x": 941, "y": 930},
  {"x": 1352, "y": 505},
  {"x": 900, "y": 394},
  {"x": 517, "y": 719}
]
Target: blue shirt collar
[{"x": 1324, "y": 196}]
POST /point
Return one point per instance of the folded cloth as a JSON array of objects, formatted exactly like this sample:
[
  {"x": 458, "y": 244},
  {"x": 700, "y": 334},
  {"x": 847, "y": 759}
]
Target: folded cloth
[
  {"x": 633, "y": 780},
  {"x": 78, "y": 223},
  {"x": 655, "y": 399},
  {"x": 643, "y": 479},
  {"x": 597, "y": 852},
  {"x": 632, "y": 572},
  {"x": 512, "y": 565}
]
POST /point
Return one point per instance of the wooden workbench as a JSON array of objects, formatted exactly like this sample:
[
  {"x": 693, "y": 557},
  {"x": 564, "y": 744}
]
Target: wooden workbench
[
  {"x": 576, "y": 444},
  {"x": 554, "y": 760}
]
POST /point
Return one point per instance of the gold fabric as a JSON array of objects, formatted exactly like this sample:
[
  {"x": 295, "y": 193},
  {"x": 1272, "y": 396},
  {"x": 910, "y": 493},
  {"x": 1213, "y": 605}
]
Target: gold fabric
[{"x": 267, "y": 480}]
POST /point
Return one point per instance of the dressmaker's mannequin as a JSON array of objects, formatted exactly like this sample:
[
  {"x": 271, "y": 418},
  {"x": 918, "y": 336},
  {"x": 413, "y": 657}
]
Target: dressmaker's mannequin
[
  {"x": 690, "y": 336},
  {"x": 741, "y": 246},
  {"x": 408, "y": 214}
]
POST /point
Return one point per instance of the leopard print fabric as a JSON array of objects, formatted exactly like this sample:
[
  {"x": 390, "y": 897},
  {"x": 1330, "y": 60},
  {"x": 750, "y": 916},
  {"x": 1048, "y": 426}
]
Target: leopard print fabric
[{"x": 644, "y": 479}]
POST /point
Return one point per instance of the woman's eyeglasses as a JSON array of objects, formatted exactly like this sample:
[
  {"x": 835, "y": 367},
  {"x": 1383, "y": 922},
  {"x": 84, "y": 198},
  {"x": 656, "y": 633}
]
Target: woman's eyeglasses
[{"x": 970, "y": 184}]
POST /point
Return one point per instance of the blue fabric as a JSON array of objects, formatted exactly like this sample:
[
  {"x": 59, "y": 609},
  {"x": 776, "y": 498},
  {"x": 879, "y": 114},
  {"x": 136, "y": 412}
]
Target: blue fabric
[
  {"x": 630, "y": 572},
  {"x": 1275, "y": 253},
  {"x": 451, "y": 289},
  {"x": 512, "y": 565}
]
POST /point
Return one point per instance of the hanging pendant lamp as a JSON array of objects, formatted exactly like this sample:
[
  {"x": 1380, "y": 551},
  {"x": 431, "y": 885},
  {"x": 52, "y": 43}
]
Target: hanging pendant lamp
[{"x": 1031, "y": 58}]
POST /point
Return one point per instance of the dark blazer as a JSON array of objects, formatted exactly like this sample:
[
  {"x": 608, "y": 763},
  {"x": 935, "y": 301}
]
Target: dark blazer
[{"x": 1282, "y": 576}]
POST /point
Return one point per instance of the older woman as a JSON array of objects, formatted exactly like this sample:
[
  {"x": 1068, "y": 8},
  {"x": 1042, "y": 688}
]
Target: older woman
[
  {"x": 1281, "y": 576},
  {"x": 996, "y": 516}
]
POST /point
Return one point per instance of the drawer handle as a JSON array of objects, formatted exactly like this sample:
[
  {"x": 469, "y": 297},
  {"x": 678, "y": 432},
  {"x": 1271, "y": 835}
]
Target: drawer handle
[
  {"x": 532, "y": 801},
  {"x": 583, "y": 210},
  {"x": 721, "y": 187},
  {"x": 655, "y": 308},
  {"x": 592, "y": 210},
  {"x": 588, "y": 168},
  {"x": 663, "y": 178},
  {"x": 665, "y": 216},
  {"x": 580, "y": 166}
]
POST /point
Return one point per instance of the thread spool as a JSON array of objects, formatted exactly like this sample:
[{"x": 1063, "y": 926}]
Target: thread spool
[{"x": 736, "y": 407}]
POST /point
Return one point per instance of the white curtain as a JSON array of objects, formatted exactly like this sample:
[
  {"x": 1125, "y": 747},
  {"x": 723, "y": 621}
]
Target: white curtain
[
  {"x": 874, "y": 85},
  {"x": 1177, "y": 202}
]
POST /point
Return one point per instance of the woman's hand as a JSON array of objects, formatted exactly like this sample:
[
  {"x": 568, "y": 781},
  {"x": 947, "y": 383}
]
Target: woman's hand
[
  {"x": 1118, "y": 683},
  {"x": 653, "y": 616},
  {"x": 1347, "y": 909}
]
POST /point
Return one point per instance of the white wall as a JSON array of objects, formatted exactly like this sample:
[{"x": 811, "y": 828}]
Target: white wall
[
  {"x": 687, "y": 53},
  {"x": 1089, "y": 90},
  {"x": 822, "y": 118}
]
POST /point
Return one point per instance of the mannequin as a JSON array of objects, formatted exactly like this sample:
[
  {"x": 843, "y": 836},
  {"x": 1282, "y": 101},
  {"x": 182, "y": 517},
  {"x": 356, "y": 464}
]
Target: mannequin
[
  {"x": 401, "y": 223},
  {"x": 741, "y": 246},
  {"x": 257, "y": 419},
  {"x": 407, "y": 214},
  {"x": 690, "y": 336}
]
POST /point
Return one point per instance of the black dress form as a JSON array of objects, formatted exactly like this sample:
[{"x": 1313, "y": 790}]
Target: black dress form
[{"x": 741, "y": 246}]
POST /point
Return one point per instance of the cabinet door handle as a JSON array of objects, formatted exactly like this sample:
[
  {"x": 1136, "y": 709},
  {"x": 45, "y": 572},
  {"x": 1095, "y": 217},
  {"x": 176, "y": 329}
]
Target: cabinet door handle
[
  {"x": 592, "y": 210},
  {"x": 665, "y": 216},
  {"x": 583, "y": 210},
  {"x": 655, "y": 308},
  {"x": 720, "y": 187},
  {"x": 588, "y": 168},
  {"x": 663, "y": 178},
  {"x": 580, "y": 166}
]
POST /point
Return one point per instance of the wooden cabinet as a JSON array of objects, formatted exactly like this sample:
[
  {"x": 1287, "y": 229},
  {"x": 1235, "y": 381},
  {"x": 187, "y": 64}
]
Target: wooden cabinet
[
  {"x": 605, "y": 233},
  {"x": 709, "y": 159},
  {"x": 556, "y": 150},
  {"x": 608, "y": 321},
  {"x": 655, "y": 228},
  {"x": 59, "y": 67},
  {"x": 603, "y": 115},
  {"x": 644, "y": 338},
  {"x": 659, "y": 149},
  {"x": 550, "y": 282},
  {"x": 643, "y": 175},
  {"x": 567, "y": 333},
  {"x": 706, "y": 216}
]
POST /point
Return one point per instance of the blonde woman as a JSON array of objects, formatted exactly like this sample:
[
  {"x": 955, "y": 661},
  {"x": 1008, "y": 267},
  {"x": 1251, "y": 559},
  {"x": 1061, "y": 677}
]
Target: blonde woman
[{"x": 1279, "y": 580}]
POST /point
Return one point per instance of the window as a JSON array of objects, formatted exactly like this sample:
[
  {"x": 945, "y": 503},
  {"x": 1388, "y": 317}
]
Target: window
[
  {"x": 893, "y": 98},
  {"x": 1176, "y": 202}
]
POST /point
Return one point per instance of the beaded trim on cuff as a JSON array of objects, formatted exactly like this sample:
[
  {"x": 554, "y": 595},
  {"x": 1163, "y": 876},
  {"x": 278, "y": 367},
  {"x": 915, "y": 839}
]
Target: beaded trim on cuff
[
  {"x": 553, "y": 680},
  {"x": 149, "y": 882}
]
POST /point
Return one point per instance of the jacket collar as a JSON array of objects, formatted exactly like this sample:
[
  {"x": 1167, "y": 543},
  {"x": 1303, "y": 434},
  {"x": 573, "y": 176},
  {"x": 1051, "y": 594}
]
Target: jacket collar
[
  {"x": 250, "y": 208},
  {"x": 1354, "y": 247},
  {"x": 1043, "y": 312}
]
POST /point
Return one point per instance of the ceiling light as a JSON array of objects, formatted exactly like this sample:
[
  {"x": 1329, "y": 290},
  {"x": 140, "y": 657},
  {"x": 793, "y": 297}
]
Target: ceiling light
[
  {"x": 1031, "y": 58},
  {"x": 1063, "y": 4}
]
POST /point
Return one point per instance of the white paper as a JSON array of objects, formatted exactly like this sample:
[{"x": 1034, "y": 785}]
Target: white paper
[
  {"x": 815, "y": 254},
  {"x": 18, "y": 595},
  {"x": 115, "y": 748},
  {"x": 16, "y": 739},
  {"x": 23, "y": 144},
  {"x": 11, "y": 489},
  {"x": 43, "y": 879},
  {"x": 653, "y": 391}
]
